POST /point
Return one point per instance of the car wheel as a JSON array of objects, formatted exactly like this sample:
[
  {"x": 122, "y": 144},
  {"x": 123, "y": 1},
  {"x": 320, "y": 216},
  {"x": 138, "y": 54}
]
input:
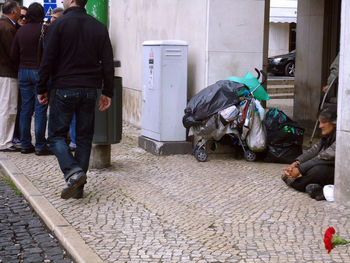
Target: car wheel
[{"x": 289, "y": 69}]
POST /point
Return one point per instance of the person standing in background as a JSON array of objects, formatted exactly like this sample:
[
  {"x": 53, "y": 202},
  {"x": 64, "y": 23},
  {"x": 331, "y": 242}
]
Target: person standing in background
[
  {"x": 56, "y": 13},
  {"x": 17, "y": 134},
  {"x": 22, "y": 18},
  {"x": 8, "y": 76},
  {"x": 24, "y": 52}
]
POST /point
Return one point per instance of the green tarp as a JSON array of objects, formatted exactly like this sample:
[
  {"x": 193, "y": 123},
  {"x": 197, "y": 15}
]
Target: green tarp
[{"x": 252, "y": 82}]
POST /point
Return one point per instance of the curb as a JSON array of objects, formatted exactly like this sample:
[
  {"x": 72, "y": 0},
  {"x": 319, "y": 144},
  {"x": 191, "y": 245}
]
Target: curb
[{"x": 65, "y": 233}]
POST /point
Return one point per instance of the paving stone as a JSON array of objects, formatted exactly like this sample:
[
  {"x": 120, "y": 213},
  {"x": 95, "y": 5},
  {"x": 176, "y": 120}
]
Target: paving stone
[
  {"x": 19, "y": 228},
  {"x": 169, "y": 208}
]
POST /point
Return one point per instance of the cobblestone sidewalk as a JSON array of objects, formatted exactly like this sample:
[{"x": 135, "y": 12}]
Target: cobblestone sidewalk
[
  {"x": 147, "y": 208},
  {"x": 23, "y": 237}
]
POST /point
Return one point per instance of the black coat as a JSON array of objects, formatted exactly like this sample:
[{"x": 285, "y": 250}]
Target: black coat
[{"x": 77, "y": 54}]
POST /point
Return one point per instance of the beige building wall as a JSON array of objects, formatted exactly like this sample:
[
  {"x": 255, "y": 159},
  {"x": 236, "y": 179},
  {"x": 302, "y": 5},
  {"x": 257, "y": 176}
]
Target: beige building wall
[
  {"x": 235, "y": 38},
  {"x": 342, "y": 171},
  {"x": 134, "y": 21},
  {"x": 225, "y": 38},
  {"x": 278, "y": 39}
]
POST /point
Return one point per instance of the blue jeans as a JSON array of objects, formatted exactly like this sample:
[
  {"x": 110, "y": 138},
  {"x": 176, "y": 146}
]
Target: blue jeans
[
  {"x": 66, "y": 102},
  {"x": 27, "y": 80}
]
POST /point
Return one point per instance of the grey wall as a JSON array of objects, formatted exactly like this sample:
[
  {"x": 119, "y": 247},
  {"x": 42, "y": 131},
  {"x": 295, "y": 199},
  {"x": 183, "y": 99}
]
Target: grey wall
[
  {"x": 134, "y": 21},
  {"x": 342, "y": 172},
  {"x": 235, "y": 38},
  {"x": 225, "y": 38},
  {"x": 309, "y": 48}
]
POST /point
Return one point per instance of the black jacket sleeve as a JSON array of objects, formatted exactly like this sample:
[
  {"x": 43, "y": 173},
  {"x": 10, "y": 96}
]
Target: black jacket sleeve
[
  {"x": 107, "y": 67},
  {"x": 50, "y": 55}
]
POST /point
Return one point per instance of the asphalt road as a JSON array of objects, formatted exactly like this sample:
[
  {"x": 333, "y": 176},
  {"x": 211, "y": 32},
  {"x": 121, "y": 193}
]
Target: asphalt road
[{"x": 23, "y": 236}]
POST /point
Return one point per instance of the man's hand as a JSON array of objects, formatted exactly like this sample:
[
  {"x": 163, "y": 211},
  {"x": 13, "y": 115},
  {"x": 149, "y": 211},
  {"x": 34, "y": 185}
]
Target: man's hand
[
  {"x": 291, "y": 172},
  {"x": 325, "y": 88},
  {"x": 43, "y": 98},
  {"x": 104, "y": 103}
]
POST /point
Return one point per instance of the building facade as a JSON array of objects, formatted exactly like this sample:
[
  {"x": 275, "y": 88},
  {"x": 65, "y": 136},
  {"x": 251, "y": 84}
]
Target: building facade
[{"x": 282, "y": 32}]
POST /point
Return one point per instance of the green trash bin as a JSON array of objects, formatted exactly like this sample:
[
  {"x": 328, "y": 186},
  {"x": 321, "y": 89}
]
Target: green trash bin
[{"x": 108, "y": 123}]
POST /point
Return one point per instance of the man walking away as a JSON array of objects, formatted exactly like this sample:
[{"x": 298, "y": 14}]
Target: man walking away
[
  {"x": 78, "y": 57},
  {"x": 8, "y": 76}
]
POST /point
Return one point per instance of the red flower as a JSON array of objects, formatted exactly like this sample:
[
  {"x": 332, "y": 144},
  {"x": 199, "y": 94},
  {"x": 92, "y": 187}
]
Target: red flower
[
  {"x": 331, "y": 240},
  {"x": 328, "y": 236}
]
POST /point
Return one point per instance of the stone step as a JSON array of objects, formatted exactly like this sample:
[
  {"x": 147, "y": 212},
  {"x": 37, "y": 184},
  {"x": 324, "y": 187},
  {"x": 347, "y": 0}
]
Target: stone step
[
  {"x": 282, "y": 81},
  {"x": 276, "y": 89},
  {"x": 281, "y": 95}
]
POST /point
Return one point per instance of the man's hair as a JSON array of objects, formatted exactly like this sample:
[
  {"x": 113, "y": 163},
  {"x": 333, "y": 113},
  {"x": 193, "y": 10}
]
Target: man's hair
[
  {"x": 36, "y": 13},
  {"x": 81, "y": 3},
  {"x": 24, "y": 8},
  {"x": 9, "y": 6},
  {"x": 57, "y": 10}
]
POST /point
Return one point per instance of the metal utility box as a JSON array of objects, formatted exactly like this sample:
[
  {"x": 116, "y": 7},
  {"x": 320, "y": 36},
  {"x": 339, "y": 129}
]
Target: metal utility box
[
  {"x": 108, "y": 123},
  {"x": 164, "y": 92}
]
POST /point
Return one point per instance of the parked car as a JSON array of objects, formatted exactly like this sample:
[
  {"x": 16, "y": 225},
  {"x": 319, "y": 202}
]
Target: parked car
[{"x": 282, "y": 64}]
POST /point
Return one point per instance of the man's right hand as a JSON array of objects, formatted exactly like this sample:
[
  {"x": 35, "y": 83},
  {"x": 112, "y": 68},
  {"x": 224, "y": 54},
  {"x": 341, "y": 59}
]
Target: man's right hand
[
  {"x": 325, "y": 88},
  {"x": 43, "y": 98},
  {"x": 104, "y": 103}
]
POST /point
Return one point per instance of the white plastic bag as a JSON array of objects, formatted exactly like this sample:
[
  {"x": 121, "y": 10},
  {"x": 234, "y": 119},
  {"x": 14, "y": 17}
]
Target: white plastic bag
[
  {"x": 328, "y": 192},
  {"x": 260, "y": 109},
  {"x": 230, "y": 113},
  {"x": 256, "y": 138}
]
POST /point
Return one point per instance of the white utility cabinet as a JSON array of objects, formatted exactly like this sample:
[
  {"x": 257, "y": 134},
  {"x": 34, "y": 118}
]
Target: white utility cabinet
[{"x": 164, "y": 91}]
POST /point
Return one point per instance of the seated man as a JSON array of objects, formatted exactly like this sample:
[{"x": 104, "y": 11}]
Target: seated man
[{"x": 315, "y": 168}]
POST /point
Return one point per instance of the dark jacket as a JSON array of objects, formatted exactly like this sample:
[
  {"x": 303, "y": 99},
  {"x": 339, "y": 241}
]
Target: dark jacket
[
  {"x": 25, "y": 46},
  {"x": 7, "y": 33},
  {"x": 77, "y": 54},
  {"x": 322, "y": 152}
]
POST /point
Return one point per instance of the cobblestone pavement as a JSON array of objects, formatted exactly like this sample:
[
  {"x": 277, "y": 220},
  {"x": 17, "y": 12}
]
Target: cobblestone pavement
[
  {"x": 23, "y": 238},
  {"x": 147, "y": 208}
]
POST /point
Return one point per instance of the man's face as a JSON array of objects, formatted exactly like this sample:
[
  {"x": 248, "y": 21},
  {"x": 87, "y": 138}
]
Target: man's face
[
  {"x": 55, "y": 16},
  {"x": 22, "y": 19}
]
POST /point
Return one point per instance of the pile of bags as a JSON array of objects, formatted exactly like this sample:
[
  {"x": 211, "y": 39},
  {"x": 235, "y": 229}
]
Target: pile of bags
[
  {"x": 228, "y": 107},
  {"x": 284, "y": 137}
]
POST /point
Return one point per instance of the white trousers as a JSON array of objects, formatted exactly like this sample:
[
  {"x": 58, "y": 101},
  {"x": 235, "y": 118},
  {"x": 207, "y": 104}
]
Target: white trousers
[{"x": 8, "y": 110}]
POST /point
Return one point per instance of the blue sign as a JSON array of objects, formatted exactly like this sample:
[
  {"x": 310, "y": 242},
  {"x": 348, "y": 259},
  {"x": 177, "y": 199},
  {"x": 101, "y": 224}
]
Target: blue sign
[
  {"x": 48, "y": 9},
  {"x": 50, "y": 1}
]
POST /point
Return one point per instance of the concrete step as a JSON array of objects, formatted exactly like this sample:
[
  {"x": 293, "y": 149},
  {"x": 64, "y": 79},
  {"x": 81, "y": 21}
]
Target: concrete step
[
  {"x": 281, "y": 95},
  {"x": 280, "y": 81},
  {"x": 276, "y": 89}
]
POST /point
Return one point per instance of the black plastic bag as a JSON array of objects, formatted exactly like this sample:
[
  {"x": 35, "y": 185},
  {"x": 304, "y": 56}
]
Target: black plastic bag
[
  {"x": 284, "y": 137},
  {"x": 211, "y": 100},
  {"x": 282, "y": 154}
]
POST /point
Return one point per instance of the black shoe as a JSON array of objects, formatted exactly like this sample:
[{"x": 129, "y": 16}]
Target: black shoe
[
  {"x": 320, "y": 197},
  {"x": 11, "y": 149},
  {"x": 73, "y": 183},
  {"x": 28, "y": 150},
  {"x": 43, "y": 151},
  {"x": 79, "y": 193},
  {"x": 317, "y": 193}
]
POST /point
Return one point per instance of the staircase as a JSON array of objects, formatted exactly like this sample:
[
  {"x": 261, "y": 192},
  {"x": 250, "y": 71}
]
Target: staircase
[{"x": 280, "y": 88}]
